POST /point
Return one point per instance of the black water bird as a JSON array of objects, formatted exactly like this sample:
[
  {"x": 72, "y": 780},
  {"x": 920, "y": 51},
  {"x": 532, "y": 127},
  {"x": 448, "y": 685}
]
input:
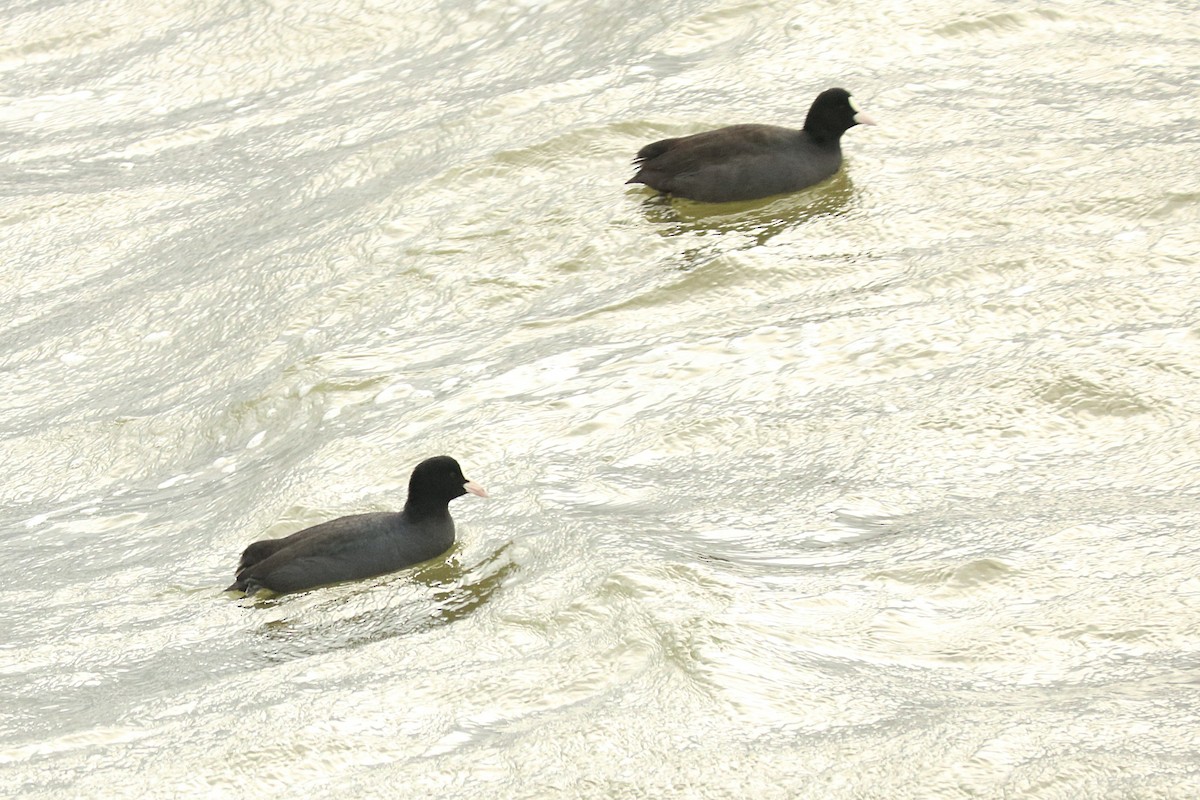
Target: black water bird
[
  {"x": 746, "y": 162},
  {"x": 361, "y": 545}
]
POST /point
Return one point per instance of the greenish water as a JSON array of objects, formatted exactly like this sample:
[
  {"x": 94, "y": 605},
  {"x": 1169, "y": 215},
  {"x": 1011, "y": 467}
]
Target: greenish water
[{"x": 882, "y": 489}]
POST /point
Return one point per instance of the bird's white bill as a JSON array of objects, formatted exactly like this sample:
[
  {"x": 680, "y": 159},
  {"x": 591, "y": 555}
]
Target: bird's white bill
[
  {"x": 475, "y": 489},
  {"x": 859, "y": 116}
]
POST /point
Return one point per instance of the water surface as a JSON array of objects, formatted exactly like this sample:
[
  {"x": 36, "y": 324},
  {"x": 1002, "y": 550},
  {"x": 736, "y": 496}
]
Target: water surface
[{"x": 881, "y": 489}]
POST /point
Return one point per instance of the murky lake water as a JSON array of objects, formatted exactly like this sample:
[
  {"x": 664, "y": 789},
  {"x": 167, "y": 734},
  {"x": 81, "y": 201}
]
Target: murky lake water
[{"x": 884, "y": 489}]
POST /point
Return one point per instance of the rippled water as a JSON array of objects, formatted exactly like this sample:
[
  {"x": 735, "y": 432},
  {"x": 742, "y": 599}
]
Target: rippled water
[{"x": 882, "y": 489}]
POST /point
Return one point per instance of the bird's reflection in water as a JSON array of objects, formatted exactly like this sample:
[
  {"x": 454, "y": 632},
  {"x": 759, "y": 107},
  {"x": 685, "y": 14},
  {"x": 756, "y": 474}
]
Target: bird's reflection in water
[
  {"x": 753, "y": 222},
  {"x": 439, "y": 593}
]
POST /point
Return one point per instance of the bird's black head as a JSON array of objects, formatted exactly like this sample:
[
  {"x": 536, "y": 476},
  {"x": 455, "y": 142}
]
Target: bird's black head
[
  {"x": 436, "y": 481},
  {"x": 832, "y": 114}
]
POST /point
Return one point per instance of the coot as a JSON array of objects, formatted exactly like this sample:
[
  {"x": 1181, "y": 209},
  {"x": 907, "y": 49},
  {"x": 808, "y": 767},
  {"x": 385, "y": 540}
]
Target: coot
[
  {"x": 746, "y": 162},
  {"x": 361, "y": 545}
]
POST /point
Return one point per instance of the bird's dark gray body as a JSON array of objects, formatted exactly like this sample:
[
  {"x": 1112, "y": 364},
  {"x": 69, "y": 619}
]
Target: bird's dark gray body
[
  {"x": 344, "y": 549},
  {"x": 740, "y": 162}
]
